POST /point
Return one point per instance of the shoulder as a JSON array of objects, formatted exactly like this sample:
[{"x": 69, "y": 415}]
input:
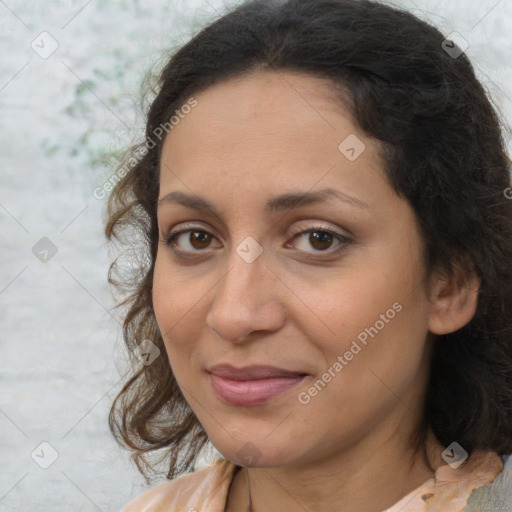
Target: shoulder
[
  {"x": 495, "y": 496},
  {"x": 205, "y": 489}
]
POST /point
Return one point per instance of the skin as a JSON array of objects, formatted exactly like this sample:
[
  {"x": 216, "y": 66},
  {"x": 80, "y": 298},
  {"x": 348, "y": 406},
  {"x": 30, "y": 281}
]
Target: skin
[{"x": 299, "y": 305}]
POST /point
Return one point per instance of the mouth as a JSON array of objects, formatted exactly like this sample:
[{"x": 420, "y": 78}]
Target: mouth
[{"x": 252, "y": 385}]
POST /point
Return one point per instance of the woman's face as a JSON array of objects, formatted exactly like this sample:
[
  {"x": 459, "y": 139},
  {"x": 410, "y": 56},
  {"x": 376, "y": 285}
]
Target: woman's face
[{"x": 328, "y": 292}]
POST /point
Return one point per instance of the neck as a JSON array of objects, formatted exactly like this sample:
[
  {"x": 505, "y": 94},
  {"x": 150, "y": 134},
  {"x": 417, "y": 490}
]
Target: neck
[{"x": 366, "y": 479}]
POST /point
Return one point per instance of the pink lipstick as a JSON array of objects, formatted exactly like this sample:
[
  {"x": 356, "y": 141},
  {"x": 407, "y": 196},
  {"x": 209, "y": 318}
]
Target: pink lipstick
[{"x": 252, "y": 385}]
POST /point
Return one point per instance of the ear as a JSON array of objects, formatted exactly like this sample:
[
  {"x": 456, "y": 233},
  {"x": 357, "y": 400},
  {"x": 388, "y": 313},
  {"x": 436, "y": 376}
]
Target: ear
[{"x": 454, "y": 299}]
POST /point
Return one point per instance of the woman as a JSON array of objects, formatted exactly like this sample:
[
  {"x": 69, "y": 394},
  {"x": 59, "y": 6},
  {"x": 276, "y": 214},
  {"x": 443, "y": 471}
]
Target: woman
[{"x": 327, "y": 297}]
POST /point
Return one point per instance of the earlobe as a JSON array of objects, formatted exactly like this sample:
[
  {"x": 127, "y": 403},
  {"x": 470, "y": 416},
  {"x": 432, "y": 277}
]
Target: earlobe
[{"x": 454, "y": 302}]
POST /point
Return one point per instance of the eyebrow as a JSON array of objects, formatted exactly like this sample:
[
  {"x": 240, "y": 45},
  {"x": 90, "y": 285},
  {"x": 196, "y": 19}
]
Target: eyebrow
[{"x": 283, "y": 202}]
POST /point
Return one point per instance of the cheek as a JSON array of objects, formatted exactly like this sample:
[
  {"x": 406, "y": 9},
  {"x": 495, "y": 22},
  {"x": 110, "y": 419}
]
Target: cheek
[
  {"x": 176, "y": 305},
  {"x": 375, "y": 317},
  {"x": 334, "y": 311},
  {"x": 369, "y": 367},
  {"x": 390, "y": 343}
]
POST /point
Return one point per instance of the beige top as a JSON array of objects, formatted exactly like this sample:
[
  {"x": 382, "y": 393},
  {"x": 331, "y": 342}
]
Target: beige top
[{"x": 206, "y": 490}]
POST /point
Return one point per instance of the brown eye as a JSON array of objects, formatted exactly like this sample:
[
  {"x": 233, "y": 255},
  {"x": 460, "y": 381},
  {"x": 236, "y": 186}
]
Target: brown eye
[
  {"x": 320, "y": 240},
  {"x": 195, "y": 240},
  {"x": 199, "y": 239}
]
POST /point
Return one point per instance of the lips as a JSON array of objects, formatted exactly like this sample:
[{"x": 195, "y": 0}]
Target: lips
[
  {"x": 251, "y": 372},
  {"x": 252, "y": 385}
]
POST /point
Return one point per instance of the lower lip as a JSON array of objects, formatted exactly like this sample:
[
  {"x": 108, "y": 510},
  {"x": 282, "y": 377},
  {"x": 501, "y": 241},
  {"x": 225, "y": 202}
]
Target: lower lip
[{"x": 252, "y": 392}]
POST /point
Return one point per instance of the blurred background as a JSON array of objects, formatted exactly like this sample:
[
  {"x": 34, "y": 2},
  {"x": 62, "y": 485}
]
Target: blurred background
[{"x": 71, "y": 74}]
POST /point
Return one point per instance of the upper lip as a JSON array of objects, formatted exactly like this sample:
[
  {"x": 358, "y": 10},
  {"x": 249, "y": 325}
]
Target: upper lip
[{"x": 252, "y": 372}]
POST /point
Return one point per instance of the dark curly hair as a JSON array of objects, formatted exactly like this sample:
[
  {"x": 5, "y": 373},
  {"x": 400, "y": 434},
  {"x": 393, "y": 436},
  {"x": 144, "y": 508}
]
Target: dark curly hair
[{"x": 443, "y": 152}]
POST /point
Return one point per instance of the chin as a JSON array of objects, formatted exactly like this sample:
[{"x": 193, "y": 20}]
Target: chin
[{"x": 247, "y": 453}]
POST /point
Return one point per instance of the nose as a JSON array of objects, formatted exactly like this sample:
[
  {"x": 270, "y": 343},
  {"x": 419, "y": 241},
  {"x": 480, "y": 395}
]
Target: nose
[{"x": 246, "y": 300}]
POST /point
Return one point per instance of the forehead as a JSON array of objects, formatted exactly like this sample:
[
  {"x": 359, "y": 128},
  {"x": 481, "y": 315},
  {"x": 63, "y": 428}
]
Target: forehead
[
  {"x": 260, "y": 104},
  {"x": 261, "y": 91},
  {"x": 267, "y": 130}
]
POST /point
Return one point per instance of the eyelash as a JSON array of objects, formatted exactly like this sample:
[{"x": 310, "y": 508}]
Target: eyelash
[{"x": 343, "y": 240}]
